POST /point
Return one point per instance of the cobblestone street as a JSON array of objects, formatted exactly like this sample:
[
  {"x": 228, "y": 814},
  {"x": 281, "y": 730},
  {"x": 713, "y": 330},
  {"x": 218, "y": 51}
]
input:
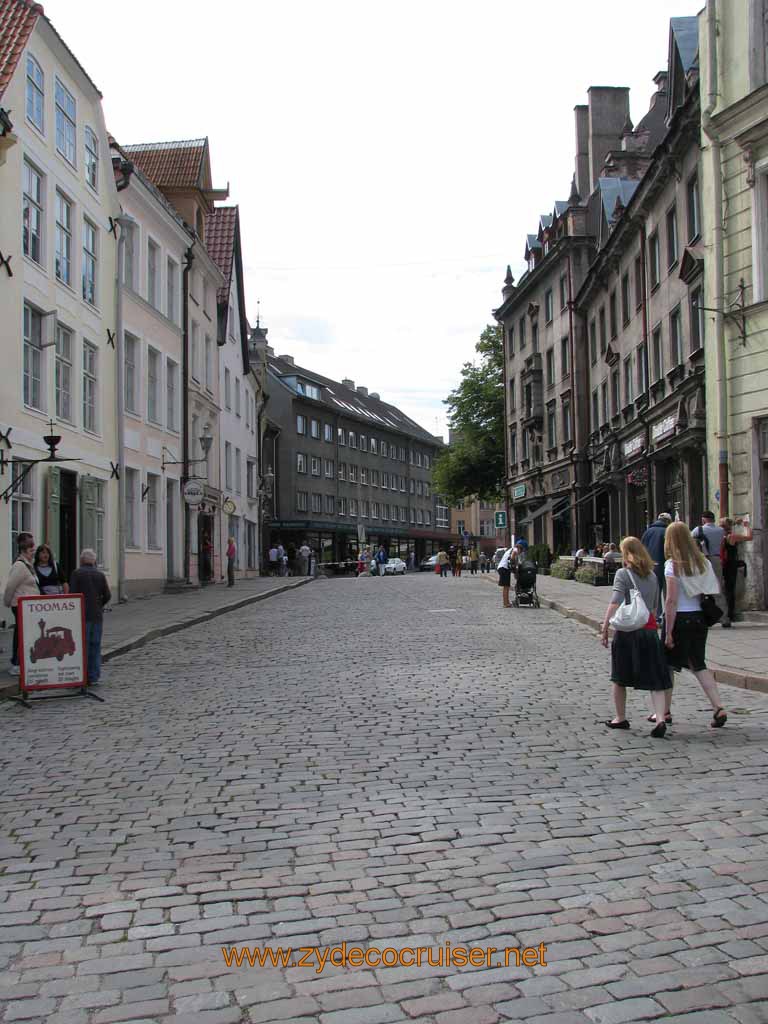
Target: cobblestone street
[{"x": 389, "y": 763}]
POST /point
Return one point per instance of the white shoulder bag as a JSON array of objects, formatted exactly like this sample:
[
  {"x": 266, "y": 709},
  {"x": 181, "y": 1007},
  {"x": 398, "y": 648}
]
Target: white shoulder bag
[{"x": 632, "y": 615}]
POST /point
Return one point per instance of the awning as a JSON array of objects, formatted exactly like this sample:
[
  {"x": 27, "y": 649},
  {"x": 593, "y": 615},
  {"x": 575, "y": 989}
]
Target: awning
[
  {"x": 555, "y": 505},
  {"x": 592, "y": 494}
]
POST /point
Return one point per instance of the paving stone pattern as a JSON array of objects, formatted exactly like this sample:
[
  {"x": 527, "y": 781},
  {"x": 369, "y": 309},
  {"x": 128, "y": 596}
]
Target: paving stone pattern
[{"x": 396, "y": 762}]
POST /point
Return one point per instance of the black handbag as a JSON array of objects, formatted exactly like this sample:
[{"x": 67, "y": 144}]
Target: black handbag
[{"x": 710, "y": 610}]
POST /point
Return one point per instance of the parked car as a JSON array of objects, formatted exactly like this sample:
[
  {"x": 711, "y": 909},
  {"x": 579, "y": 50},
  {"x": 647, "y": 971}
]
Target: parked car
[
  {"x": 497, "y": 555},
  {"x": 395, "y": 567},
  {"x": 428, "y": 564}
]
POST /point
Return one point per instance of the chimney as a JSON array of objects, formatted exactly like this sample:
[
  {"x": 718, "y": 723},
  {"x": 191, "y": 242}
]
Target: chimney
[
  {"x": 348, "y": 383},
  {"x": 362, "y": 391},
  {"x": 287, "y": 359},
  {"x": 582, "y": 151},
  {"x": 608, "y": 114},
  {"x": 376, "y": 395}
]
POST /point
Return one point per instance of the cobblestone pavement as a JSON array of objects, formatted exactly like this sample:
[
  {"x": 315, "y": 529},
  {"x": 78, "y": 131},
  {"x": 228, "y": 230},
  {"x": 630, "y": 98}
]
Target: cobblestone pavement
[{"x": 390, "y": 763}]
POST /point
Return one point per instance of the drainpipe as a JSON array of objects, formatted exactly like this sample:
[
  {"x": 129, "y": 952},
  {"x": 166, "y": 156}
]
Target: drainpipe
[
  {"x": 650, "y": 470},
  {"x": 505, "y": 386},
  {"x": 189, "y": 258},
  {"x": 574, "y": 454},
  {"x": 721, "y": 430},
  {"x": 125, "y": 223}
]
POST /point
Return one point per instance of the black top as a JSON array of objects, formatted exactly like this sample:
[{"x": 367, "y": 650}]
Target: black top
[
  {"x": 92, "y": 583},
  {"x": 50, "y": 583}
]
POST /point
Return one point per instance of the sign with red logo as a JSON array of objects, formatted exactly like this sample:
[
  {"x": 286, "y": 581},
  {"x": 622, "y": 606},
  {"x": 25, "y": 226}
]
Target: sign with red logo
[{"x": 52, "y": 653}]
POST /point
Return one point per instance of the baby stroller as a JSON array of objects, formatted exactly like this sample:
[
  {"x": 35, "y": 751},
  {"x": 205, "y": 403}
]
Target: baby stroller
[{"x": 525, "y": 585}]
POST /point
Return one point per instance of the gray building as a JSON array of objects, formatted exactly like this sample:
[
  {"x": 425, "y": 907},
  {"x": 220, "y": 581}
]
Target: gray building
[{"x": 349, "y": 469}]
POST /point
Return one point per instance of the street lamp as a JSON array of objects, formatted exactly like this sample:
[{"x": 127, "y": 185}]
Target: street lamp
[{"x": 206, "y": 440}]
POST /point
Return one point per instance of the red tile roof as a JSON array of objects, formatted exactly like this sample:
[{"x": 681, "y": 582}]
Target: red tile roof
[
  {"x": 171, "y": 164},
  {"x": 17, "y": 20},
  {"x": 220, "y": 231}
]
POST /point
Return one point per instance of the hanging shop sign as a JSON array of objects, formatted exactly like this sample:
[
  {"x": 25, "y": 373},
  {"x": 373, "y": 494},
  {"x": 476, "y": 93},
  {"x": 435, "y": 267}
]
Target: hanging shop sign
[
  {"x": 52, "y": 643},
  {"x": 518, "y": 492},
  {"x": 632, "y": 446},
  {"x": 663, "y": 427},
  {"x": 193, "y": 492},
  {"x": 229, "y": 507}
]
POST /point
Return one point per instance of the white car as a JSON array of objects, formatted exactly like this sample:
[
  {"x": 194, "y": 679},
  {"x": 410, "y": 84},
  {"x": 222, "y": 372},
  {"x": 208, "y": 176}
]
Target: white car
[{"x": 395, "y": 567}]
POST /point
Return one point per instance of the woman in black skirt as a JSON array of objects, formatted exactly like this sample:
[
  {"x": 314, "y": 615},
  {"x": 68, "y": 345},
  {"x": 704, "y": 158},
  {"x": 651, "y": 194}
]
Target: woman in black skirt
[{"x": 637, "y": 656}]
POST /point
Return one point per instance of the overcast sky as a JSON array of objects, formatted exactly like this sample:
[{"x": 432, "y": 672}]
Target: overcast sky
[{"x": 388, "y": 159}]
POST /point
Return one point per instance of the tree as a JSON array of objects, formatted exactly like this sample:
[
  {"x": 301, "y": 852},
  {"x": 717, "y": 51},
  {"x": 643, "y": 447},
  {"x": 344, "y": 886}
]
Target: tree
[{"x": 473, "y": 463}]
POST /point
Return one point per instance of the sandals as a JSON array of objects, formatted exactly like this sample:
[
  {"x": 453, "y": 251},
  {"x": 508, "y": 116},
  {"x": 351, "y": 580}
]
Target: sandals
[
  {"x": 617, "y": 725},
  {"x": 718, "y": 719},
  {"x": 667, "y": 718}
]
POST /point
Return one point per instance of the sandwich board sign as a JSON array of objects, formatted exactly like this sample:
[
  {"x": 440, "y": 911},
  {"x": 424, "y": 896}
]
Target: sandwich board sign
[{"x": 52, "y": 652}]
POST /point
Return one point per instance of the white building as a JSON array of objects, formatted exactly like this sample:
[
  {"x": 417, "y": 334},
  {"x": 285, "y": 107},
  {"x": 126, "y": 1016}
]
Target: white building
[{"x": 57, "y": 295}]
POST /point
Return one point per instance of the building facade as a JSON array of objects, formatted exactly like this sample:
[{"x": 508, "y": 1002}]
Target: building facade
[
  {"x": 478, "y": 519},
  {"x": 57, "y": 297},
  {"x": 349, "y": 469},
  {"x": 734, "y": 96}
]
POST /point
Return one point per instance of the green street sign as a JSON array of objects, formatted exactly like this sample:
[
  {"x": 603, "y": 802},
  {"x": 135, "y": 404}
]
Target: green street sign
[{"x": 500, "y": 519}]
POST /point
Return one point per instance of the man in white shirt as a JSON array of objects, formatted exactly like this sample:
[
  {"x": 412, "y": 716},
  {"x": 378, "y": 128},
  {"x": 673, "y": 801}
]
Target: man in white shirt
[{"x": 272, "y": 560}]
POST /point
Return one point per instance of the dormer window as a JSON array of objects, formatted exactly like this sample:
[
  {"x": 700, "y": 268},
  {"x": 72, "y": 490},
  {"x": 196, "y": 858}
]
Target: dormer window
[{"x": 531, "y": 262}]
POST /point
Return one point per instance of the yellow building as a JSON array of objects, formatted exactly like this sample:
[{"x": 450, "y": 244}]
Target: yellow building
[{"x": 734, "y": 98}]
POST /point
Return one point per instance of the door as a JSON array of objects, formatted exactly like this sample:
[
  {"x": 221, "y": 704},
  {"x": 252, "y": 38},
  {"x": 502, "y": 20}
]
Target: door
[
  {"x": 67, "y": 554},
  {"x": 205, "y": 547},
  {"x": 171, "y": 518}
]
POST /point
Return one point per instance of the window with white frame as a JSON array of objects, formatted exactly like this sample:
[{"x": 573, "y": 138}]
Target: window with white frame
[
  {"x": 352, "y": 474},
  {"x": 131, "y": 373},
  {"x": 32, "y": 213},
  {"x": 441, "y": 515},
  {"x": 342, "y": 471},
  {"x": 353, "y": 506},
  {"x": 341, "y": 506},
  {"x": 317, "y": 503},
  {"x": 383, "y": 449},
  {"x": 654, "y": 259},
  {"x": 129, "y": 256},
  {"x": 301, "y": 424},
  {"x": 35, "y": 94},
  {"x": 63, "y": 373},
  {"x": 672, "y": 236},
  {"x": 171, "y": 393},
  {"x": 403, "y": 514},
  {"x": 302, "y": 501},
  {"x": 153, "y": 385},
  {"x": 694, "y": 209},
  {"x": 237, "y": 396},
  {"x": 328, "y": 432},
  {"x": 228, "y": 465},
  {"x": 384, "y": 481},
  {"x": 385, "y": 512},
  {"x": 364, "y": 508},
  {"x": 364, "y": 475},
  {"x": 33, "y": 359},
  {"x": 171, "y": 274},
  {"x": 90, "y": 261},
  {"x": 342, "y": 437},
  {"x": 195, "y": 354},
  {"x": 132, "y": 488},
  {"x": 238, "y": 471},
  {"x": 329, "y": 469},
  {"x": 90, "y": 388},
  {"x": 153, "y": 512},
  {"x": 208, "y": 363},
  {"x": 22, "y": 504},
  {"x": 352, "y": 439},
  {"x": 92, "y": 158},
  {"x": 301, "y": 462},
  {"x": 63, "y": 253},
  {"x": 427, "y": 517},
  {"x": 153, "y": 274},
  {"x": 92, "y": 516},
  {"x": 66, "y": 121},
  {"x": 330, "y": 504},
  {"x": 227, "y": 388},
  {"x": 363, "y": 443}
]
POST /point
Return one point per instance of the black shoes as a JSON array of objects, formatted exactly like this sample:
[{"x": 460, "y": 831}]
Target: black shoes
[
  {"x": 618, "y": 725},
  {"x": 658, "y": 731}
]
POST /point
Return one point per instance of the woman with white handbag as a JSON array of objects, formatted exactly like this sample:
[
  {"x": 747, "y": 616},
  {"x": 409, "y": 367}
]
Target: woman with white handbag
[{"x": 637, "y": 655}]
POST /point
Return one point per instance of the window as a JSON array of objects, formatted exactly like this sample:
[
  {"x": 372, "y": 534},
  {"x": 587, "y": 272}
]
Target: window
[
  {"x": 364, "y": 508},
  {"x": 315, "y": 466},
  {"x": 551, "y": 425},
  {"x": 238, "y": 471},
  {"x": 521, "y": 331},
  {"x": 384, "y": 481},
  {"x": 550, "y": 368},
  {"x": 90, "y": 262},
  {"x": 131, "y": 500},
  {"x": 441, "y": 515},
  {"x": 208, "y": 363},
  {"x": 63, "y": 373},
  {"x": 656, "y": 354},
  {"x": 363, "y": 443},
  {"x": 330, "y": 504},
  {"x": 638, "y": 282},
  {"x": 654, "y": 259},
  {"x": 91, "y": 158},
  {"x": 352, "y": 474},
  {"x": 90, "y": 387},
  {"x": 352, "y": 439},
  {"x": 628, "y": 393},
  {"x": 373, "y": 446},
  {"x": 548, "y": 306},
  {"x": 227, "y": 388},
  {"x": 131, "y": 373},
  {"x": 92, "y": 516},
  {"x": 364, "y": 475},
  {"x": 595, "y": 411},
  {"x": 342, "y": 436},
  {"x": 342, "y": 471},
  {"x": 129, "y": 256},
  {"x": 301, "y": 424},
  {"x": 153, "y": 271},
  {"x": 171, "y": 272},
  {"x": 615, "y": 392},
  {"x": 401, "y": 453},
  {"x": 566, "y": 418},
  {"x": 563, "y": 291},
  {"x": 511, "y": 339},
  {"x": 693, "y": 211},
  {"x": 412, "y": 486},
  {"x": 427, "y": 517},
  {"x": 65, "y": 123},
  {"x": 171, "y": 389},
  {"x": 63, "y": 255},
  {"x": 604, "y": 402},
  {"x": 625, "y": 299},
  {"x": 228, "y": 465},
  {"x": 33, "y": 358},
  {"x": 195, "y": 355},
  {"x": 353, "y": 506},
  {"x": 328, "y": 432},
  {"x": 32, "y": 214},
  {"x": 697, "y": 319},
  {"x": 403, "y": 514},
  {"x": 512, "y": 395},
  {"x": 385, "y": 512},
  {"x": 35, "y": 93},
  {"x": 329, "y": 469},
  {"x": 375, "y": 510},
  {"x": 564, "y": 357},
  {"x": 314, "y": 429},
  {"x": 301, "y": 462},
  {"x": 603, "y": 337},
  {"x": 672, "y": 236},
  {"x": 237, "y": 397},
  {"x": 383, "y": 449},
  {"x": 302, "y": 499},
  {"x": 526, "y": 451},
  {"x": 593, "y": 342},
  {"x": 512, "y": 446},
  {"x": 153, "y": 385},
  {"x": 535, "y": 336},
  {"x": 341, "y": 506},
  {"x": 402, "y": 484},
  {"x": 613, "y": 318},
  {"x": 153, "y": 505},
  {"x": 642, "y": 369},
  {"x": 675, "y": 338}
]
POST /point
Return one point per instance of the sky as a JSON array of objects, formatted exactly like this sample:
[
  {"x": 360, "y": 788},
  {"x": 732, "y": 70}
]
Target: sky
[{"x": 388, "y": 159}]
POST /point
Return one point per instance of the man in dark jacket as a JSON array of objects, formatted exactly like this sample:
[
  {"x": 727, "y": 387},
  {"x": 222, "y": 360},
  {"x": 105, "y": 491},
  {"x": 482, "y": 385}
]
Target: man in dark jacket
[
  {"x": 91, "y": 582},
  {"x": 653, "y": 539}
]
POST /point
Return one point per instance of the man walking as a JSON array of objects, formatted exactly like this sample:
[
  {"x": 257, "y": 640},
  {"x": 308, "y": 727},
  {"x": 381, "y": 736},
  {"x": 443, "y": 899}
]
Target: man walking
[
  {"x": 91, "y": 582},
  {"x": 231, "y": 559},
  {"x": 710, "y": 538},
  {"x": 272, "y": 562},
  {"x": 653, "y": 539},
  {"x": 381, "y": 559}
]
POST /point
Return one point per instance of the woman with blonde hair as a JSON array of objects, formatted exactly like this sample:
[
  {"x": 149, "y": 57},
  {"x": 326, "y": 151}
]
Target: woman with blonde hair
[
  {"x": 690, "y": 577},
  {"x": 637, "y": 656}
]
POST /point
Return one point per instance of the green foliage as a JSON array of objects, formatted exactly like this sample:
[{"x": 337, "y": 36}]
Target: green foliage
[
  {"x": 561, "y": 570},
  {"x": 473, "y": 465},
  {"x": 540, "y": 554},
  {"x": 587, "y": 574}
]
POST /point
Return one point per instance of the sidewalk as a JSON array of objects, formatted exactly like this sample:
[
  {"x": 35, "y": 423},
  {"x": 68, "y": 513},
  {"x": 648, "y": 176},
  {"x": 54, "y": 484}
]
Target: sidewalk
[
  {"x": 738, "y": 656},
  {"x": 135, "y": 623}
]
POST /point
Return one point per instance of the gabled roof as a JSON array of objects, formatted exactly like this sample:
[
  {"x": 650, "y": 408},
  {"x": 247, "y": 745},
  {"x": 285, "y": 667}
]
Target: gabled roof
[
  {"x": 17, "y": 21},
  {"x": 545, "y": 220},
  {"x": 180, "y": 164},
  {"x": 220, "y": 229},
  {"x": 560, "y": 207}
]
